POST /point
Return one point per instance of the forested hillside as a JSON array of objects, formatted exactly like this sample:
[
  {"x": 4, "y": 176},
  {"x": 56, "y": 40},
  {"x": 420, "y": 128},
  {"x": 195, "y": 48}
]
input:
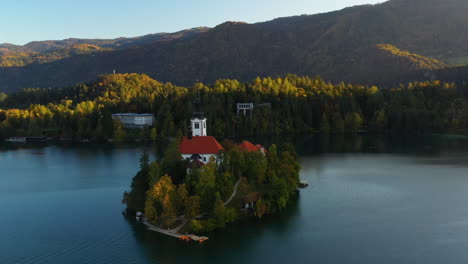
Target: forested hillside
[
  {"x": 345, "y": 45},
  {"x": 287, "y": 105}
]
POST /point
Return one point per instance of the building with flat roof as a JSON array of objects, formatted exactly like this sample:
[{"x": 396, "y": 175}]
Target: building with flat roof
[
  {"x": 131, "y": 120},
  {"x": 245, "y": 108}
]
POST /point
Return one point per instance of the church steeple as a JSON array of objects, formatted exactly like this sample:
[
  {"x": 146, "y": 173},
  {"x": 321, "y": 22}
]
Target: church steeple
[{"x": 198, "y": 120}]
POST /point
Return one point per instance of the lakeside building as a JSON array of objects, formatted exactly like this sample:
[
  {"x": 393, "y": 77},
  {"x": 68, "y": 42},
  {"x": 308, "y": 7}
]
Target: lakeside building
[
  {"x": 250, "y": 200},
  {"x": 245, "y": 108},
  {"x": 131, "y": 120},
  {"x": 250, "y": 147}
]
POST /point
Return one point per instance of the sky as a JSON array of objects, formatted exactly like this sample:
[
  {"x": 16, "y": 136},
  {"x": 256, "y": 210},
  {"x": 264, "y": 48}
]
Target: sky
[{"x": 22, "y": 21}]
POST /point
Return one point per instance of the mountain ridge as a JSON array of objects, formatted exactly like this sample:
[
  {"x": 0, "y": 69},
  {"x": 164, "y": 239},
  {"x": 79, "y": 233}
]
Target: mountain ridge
[
  {"x": 50, "y": 45},
  {"x": 338, "y": 45}
]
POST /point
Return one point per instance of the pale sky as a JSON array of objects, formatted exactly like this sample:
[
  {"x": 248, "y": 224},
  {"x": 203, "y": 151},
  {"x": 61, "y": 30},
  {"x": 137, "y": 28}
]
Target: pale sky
[{"x": 22, "y": 21}]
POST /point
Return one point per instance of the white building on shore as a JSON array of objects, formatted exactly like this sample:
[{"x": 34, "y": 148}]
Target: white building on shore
[{"x": 131, "y": 120}]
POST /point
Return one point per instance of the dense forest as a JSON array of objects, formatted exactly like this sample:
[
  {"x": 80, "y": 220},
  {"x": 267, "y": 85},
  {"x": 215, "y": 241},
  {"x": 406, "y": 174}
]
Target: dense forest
[
  {"x": 167, "y": 193},
  {"x": 287, "y": 105},
  {"x": 26, "y": 58}
]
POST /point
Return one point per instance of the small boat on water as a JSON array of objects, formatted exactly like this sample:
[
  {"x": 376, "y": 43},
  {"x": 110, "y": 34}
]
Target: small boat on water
[
  {"x": 16, "y": 139},
  {"x": 139, "y": 216},
  {"x": 26, "y": 139},
  {"x": 36, "y": 139},
  {"x": 303, "y": 185}
]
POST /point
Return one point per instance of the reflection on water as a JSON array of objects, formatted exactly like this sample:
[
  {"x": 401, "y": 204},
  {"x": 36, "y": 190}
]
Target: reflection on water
[
  {"x": 372, "y": 199},
  {"x": 372, "y": 143}
]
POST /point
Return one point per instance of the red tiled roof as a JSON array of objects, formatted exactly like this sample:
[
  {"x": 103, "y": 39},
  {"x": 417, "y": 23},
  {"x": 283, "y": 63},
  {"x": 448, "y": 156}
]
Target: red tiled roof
[
  {"x": 200, "y": 145},
  {"x": 251, "y": 197},
  {"x": 247, "y": 145}
]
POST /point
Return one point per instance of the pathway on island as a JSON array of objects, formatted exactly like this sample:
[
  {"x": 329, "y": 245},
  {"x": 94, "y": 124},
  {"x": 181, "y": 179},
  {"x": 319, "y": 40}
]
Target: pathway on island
[
  {"x": 236, "y": 186},
  {"x": 175, "y": 231},
  {"x": 169, "y": 232}
]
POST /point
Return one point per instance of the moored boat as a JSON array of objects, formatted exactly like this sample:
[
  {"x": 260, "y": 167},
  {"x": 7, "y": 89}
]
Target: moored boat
[{"x": 16, "y": 139}]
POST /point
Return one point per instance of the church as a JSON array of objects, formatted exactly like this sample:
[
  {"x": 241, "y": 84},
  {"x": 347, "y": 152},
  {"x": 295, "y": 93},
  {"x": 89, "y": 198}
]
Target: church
[{"x": 198, "y": 147}]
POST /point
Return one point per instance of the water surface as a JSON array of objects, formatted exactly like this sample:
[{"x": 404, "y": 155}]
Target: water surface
[{"x": 373, "y": 199}]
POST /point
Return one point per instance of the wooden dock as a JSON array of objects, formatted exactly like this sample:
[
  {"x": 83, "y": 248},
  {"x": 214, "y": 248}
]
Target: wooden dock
[
  {"x": 194, "y": 238},
  {"x": 174, "y": 233}
]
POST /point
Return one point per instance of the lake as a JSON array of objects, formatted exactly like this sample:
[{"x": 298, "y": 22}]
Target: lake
[{"x": 372, "y": 199}]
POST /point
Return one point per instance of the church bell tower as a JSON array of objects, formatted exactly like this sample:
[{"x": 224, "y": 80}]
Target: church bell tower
[
  {"x": 198, "y": 120},
  {"x": 198, "y": 124}
]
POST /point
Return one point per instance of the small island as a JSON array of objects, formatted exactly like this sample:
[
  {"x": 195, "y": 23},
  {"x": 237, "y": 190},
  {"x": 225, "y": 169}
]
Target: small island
[{"x": 200, "y": 185}]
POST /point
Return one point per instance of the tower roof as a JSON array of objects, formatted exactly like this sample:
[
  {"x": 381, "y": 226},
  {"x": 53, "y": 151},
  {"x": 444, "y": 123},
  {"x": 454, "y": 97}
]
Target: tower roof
[
  {"x": 200, "y": 145},
  {"x": 199, "y": 115}
]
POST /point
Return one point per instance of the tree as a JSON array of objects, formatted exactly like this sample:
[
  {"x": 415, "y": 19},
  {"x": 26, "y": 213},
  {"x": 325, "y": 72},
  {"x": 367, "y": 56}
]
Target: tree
[
  {"x": 164, "y": 193},
  {"x": 153, "y": 134},
  {"x": 154, "y": 173},
  {"x": 163, "y": 188},
  {"x": 260, "y": 208},
  {"x": 380, "y": 121},
  {"x": 169, "y": 214},
  {"x": 237, "y": 164},
  {"x": 181, "y": 198},
  {"x": 353, "y": 122},
  {"x": 279, "y": 194},
  {"x": 192, "y": 207},
  {"x": 224, "y": 183},
  {"x": 324, "y": 124},
  {"x": 219, "y": 212},
  {"x": 173, "y": 164},
  {"x": 119, "y": 132},
  {"x": 338, "y": 123},
  {"x": 256, "y": 167},
  {"x": 205, "y": 185},
  {"x": 151, "y": 213},
  {"x": 136, "y": 197}
]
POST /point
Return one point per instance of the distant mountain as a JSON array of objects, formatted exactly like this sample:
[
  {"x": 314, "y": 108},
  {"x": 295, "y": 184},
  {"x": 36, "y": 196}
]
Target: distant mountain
[
  {"x": 367, "y": 44},
  {"x": 50, "y": 45},
  {"x": 25, "y": 58},
  {"x": 52, "y": 50}
]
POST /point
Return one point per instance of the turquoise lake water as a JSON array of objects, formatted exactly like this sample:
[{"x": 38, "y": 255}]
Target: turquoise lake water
[{"x": 372, "y": 199}]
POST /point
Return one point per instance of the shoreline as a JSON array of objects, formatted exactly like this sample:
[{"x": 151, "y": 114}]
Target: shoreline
[{"x": 52, "y": 141}]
